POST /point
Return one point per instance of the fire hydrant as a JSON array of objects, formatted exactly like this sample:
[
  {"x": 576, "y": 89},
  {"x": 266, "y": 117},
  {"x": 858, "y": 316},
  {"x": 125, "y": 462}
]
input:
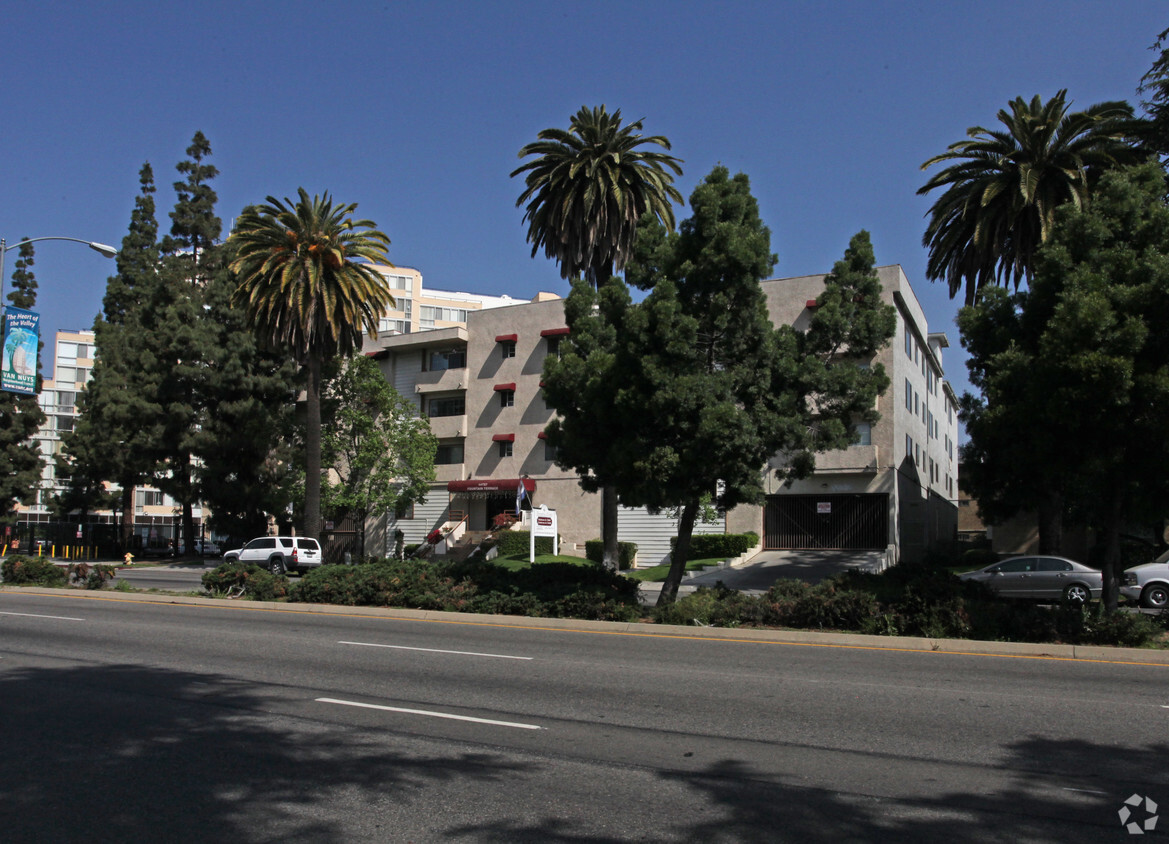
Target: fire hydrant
[{"x": 128, "y": 559}]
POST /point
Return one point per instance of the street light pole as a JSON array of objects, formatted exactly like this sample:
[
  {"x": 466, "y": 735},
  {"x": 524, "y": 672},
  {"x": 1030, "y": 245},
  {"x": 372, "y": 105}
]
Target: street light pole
[{"x": 107, "y": 251}]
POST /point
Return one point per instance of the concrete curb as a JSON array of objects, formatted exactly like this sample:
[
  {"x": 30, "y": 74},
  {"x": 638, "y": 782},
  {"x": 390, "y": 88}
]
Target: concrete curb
[{"x": 807, "y": 638}]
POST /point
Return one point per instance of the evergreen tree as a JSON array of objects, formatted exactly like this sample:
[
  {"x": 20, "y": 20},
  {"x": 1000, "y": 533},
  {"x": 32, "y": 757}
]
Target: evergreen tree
[
  {"x": 702, "y": 391},
  {"x": 248, "y": 444},
  {"x": 119, "y": 424},
  {"x": 20, "y": 415},
  {"x": 180, "y": 339}
]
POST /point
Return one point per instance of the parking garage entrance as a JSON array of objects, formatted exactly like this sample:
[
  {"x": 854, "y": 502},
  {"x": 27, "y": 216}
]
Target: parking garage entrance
[{"x": 840, "y": 521}]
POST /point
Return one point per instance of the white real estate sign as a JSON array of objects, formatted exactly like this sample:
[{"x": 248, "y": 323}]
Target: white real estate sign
[{"x": 543, "y": 524}]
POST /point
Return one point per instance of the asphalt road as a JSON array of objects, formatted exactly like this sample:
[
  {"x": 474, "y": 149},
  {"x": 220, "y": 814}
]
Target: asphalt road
[{"x": 132, "y": 721}]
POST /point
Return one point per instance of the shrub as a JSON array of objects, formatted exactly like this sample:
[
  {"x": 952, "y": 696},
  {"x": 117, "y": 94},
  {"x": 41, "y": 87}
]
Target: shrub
[
  {"x": 725, "y": 545},
  {"x": 626, "y": 553},
  {"x": 979, "y": 557},
  {"x": 413, "y": 584},
  {"x": 512, "y": 543},
  {"x": 257, "y": 583},
  {"x": 31, "y": 571}
]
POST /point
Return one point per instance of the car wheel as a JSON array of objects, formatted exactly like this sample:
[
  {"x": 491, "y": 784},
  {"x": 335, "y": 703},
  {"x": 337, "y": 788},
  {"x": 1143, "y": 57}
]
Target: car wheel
[
  {"x": 1077, "y": 594},
  {"x": 276, "y": 565},
  {"x": 1155, "y": 597},
  {"x": 230, "y": 559}
]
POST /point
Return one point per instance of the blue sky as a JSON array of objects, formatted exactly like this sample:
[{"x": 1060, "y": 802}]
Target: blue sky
[{"x": 417, "y": 110}]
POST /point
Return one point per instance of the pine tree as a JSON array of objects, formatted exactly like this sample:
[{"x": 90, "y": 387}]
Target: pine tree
[
  {"x": 20, "y": 415},
  {"x": 180, "y": 339},
  {"x": 119, "y": 418}
]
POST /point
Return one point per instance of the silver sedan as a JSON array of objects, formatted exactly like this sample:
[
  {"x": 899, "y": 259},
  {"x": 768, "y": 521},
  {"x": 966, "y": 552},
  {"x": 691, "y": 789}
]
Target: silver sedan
[{"x": 1041, "y": 577}]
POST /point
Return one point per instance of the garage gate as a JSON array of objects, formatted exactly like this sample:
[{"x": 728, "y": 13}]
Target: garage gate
[{"x": 839, "y": 522}]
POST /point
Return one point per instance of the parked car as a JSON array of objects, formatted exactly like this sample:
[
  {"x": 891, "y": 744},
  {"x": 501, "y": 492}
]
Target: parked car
[
  {"x": 206, "y": 548},
  {"x": 1041, "y": 577},
  {"x": 1148, "y": 583},
  {"x": 279, "y": 554}
]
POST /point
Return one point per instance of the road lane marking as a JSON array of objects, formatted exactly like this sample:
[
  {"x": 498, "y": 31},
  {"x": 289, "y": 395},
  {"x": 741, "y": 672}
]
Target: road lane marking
[
  {"x": 34, "y": 615},
  {"x": 1085, "y": 791},
  {"x": 433, "y": 650},
  {"x": 429, "y": 714}
]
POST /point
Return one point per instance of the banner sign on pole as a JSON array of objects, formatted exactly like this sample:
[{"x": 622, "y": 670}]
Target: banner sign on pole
[{"x": 18, "y": 359}]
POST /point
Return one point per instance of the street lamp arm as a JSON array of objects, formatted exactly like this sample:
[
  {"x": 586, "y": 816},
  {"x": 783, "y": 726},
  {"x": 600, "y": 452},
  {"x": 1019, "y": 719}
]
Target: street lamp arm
[{"x": 100, "y": 248}]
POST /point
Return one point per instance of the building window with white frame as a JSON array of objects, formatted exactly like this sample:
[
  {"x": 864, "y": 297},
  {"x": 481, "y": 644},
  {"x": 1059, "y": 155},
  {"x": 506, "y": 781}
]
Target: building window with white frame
[
  {"x": 505, "y": 448},
  {"x": 864, "y": 433},
  {"x": 507, "y": 398},
  {"x": 507, "y": 348}
]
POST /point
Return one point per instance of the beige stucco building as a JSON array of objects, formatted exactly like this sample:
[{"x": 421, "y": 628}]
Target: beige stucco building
[{"x": 479, "y": 384}]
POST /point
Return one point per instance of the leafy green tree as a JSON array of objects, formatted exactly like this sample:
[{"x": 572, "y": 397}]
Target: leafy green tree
[
  {"x": 1090, "y": 338},
  {"x": 20, "y": 415},
  {"x": 999, "y": 198},
  {"x": 306, "y": 290},
  {"x": 585, "y": 191},
  {"x": 702, "y": 390},
  {"x": 195, "y": 228},
  {"x": 381, "y": 451},
  {"x": 119, "y": 421}
]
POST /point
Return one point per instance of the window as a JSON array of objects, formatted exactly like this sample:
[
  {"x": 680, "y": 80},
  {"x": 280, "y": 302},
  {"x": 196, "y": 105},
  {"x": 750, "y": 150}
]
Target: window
[
  {"x": 865, "y": 431},
  {"x": 65, "y": 423},
  {"x": 453, "y": 406},
  {"x": 507, "y": 348},
  {"x": 152, "y": 498},
  {"x": 448, "y": 454},
  {"x": 66, "y": 400},
  {"x": 908, "y": 395},
  {"x": 908, "y": 341},
  {"x": 908, "y": 446},
  {"x": 67, "y": 351},
  {"x": 507, "y": 398},
  {"x": 916, "y": 406},
  {"x": 929, "y": 424},
  {"x": 65, "y": 374},
  {"x": 386, "y": 326},
  {"x": 551, "y": 452},
  {"x": 448, "y": 359},
  {"x": 553, "y": 347},
  {"x": 916, "y": 454},
  {"x": 505, "y": 449},
  {"x": 431, "y": 314}
]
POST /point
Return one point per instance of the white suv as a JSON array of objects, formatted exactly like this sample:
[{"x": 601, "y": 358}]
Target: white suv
[
  {"x": 279, "y": 554},
  {"x": 1148, "y": 584}
]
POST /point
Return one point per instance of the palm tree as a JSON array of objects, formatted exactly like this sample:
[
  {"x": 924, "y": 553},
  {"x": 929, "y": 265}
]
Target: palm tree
[
  {"x": 1000, "y": 197},
  {"x": 585, "y": 191},
  {"x": 303, "y": 289}
]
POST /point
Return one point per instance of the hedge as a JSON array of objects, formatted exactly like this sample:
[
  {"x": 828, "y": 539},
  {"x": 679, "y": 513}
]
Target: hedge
[
  {"x": 35, "y": 571},
  {"x": 512, "y": 543},
  {"x": 724, "y": 545},
  {"x": 626, "y": 553}
]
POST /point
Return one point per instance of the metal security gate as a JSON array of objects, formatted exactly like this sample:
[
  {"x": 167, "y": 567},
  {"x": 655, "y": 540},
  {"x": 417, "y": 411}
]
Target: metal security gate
[{"x": 843, "y": 522}]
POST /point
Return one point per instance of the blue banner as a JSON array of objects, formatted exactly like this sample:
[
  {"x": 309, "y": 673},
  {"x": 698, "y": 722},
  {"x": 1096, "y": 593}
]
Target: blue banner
[{"x": 18, "y": 360}]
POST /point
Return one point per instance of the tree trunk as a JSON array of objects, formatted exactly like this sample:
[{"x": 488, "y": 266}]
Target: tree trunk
[
  {"x": 1050, "y": 517},
  {"x": 681, "y": 553},
  {"x": 610, "y": 558},
  {"x": 1111, "y": 564},
  {"x": 312, "y": 450}
]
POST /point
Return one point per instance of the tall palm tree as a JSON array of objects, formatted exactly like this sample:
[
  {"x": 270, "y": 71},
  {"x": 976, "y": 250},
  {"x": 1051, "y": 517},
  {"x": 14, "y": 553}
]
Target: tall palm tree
[
  {"x": 585, "y": 191},
  {"x": 303, "y": 289},
  {"x": 588, "y": 187},
  {"x": 1000, "y": 197}
]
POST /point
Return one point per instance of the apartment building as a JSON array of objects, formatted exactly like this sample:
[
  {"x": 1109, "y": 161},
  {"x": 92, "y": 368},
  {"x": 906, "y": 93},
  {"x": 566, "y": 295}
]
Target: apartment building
[{"x": 479, "y": 384}]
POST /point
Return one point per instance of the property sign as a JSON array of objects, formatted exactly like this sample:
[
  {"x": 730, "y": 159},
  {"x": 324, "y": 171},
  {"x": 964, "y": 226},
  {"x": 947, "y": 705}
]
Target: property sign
[
  {"x": 18, "y": 358},
  {"x": 543, "y": 524},
  {"x": 824, "y": 508}
]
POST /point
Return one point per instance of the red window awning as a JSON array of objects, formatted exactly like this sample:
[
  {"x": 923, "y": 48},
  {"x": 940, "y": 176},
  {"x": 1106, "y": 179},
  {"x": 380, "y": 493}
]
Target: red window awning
[
  {"x": 507, "y": 338},
  {"x": 499, "y": 388},
  {"x": 541, "y": 436},
  {"x": 503, "y": 438},
  {"x": 491, "y": 485},
  {"x": 554, "y": 332},
  {"x": 811, "y": 303}
]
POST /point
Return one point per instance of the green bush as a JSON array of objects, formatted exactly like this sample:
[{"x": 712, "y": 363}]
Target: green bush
[
  {"x": 512, "y": 543},
  {"x": 626, "y": 553},
  {"x": 725, "y": 545},
  {"x": 257, "y": 583},
  {"x": 31, "y": 571},
  {"x": 979, "y": 558},
  {"x": 413, "y": 584}
]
